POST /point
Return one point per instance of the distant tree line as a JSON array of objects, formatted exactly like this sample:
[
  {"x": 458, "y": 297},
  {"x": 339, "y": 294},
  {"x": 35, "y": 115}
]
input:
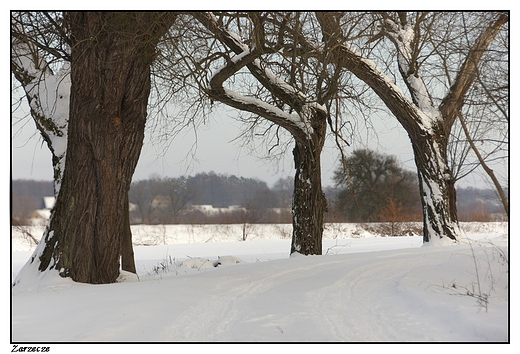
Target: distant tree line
[
  {"x": 369, "y": 187},
  {"x": 160, "y": 200}
]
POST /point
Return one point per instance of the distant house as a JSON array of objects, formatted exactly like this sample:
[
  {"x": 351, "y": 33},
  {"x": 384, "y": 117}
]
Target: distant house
[
  {"x": 209, "y": 210},
  {"x": 48, "y": 203},
  {"x": 40, "y": 216}
]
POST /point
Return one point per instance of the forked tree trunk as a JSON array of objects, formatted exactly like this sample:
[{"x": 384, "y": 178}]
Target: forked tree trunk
[
  {"x": 308, "y": 130},
  {"x": 110, "y": 75},
  {"x": 429, "y": 142},
  {"x": 427, "y": 130}
]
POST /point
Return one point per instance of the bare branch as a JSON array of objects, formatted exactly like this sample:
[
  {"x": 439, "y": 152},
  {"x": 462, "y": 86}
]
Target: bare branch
[{"x": 467, "y": 74}]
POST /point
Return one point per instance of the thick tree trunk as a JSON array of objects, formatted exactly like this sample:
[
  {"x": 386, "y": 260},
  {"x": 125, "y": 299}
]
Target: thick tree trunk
[
  {"x": 436, "y": 186},
  {"x": 309, "y": 203},
  {"x": 110, "y": 75}
]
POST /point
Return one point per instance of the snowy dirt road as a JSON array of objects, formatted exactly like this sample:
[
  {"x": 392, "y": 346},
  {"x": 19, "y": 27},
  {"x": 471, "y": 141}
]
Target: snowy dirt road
[
  {"x": 356, "y": 297},
  {"x": 362, "y": 290}
]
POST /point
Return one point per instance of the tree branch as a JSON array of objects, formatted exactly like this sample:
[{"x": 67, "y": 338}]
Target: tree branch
[
  {"x": 452, "y": 103},
  {"x": 282, "y": 90},
  {"x": 486, "y": 168},
  {"x": 295, "y": 124}
]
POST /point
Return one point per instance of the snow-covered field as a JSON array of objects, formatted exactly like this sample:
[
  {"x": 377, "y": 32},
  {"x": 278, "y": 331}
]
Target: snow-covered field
[{"x": 202, "y": 284}]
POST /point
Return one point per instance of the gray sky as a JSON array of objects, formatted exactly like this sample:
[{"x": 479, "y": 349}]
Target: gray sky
[
  {"x": 30, "y": 158},
  {"x": 215, "y": 151}
]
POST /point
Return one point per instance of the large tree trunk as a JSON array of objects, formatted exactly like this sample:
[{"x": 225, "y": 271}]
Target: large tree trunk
[
  {"x": 110, "y": 75},
  {"x": 436, "y": 186},
  {"x": 53, "y": 122},
  {"x": 309, "y": 203}
]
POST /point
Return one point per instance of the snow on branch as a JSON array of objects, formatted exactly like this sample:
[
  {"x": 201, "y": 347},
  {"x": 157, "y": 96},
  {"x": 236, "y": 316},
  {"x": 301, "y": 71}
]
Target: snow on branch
[
  {"x": 48, "y": 95},
  {"x": 292, "y": 122},
  {"x": 288, "y": 93},
  {"x": 297, "y": 124},
  {"x": 404, "y": 38},
  {"x": 394, "y": 98}
]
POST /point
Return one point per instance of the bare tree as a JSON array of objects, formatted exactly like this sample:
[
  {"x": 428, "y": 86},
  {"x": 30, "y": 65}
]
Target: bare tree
[
  {"x": 291, "y": 91},
  {"x": 110, "y": 58},
  {"x": 259, "y": 64},
  {"x": 427, "y": 121}
]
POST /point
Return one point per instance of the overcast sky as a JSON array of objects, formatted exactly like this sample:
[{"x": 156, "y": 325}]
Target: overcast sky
[
  {"x": 216, "y": 151},
  {"x": 30, "y": 158}
]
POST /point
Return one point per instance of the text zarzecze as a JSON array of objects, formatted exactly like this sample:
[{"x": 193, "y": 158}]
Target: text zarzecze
[{"x": 18, "y": 349}]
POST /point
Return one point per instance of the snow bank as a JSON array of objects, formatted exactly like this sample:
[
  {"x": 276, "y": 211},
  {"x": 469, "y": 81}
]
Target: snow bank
[{"x": 154, "y": 235}]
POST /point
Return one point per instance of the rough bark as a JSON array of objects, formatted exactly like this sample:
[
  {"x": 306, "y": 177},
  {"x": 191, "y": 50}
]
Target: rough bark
[
  {"x": 309, "y": 203},
  {"x": 37, "y": 81},
  {"x": 436, "y": 186},
  {"x": 110, "y": 74}
]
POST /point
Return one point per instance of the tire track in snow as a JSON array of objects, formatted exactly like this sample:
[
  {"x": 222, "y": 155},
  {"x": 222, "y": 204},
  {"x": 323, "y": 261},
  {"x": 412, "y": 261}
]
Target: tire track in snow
[
  {"x": 256, "y": 306},
  {"x": 356, "y": 291},
  {"x": 231, "y": 311},
  {"x": 369, "y": 317}
]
